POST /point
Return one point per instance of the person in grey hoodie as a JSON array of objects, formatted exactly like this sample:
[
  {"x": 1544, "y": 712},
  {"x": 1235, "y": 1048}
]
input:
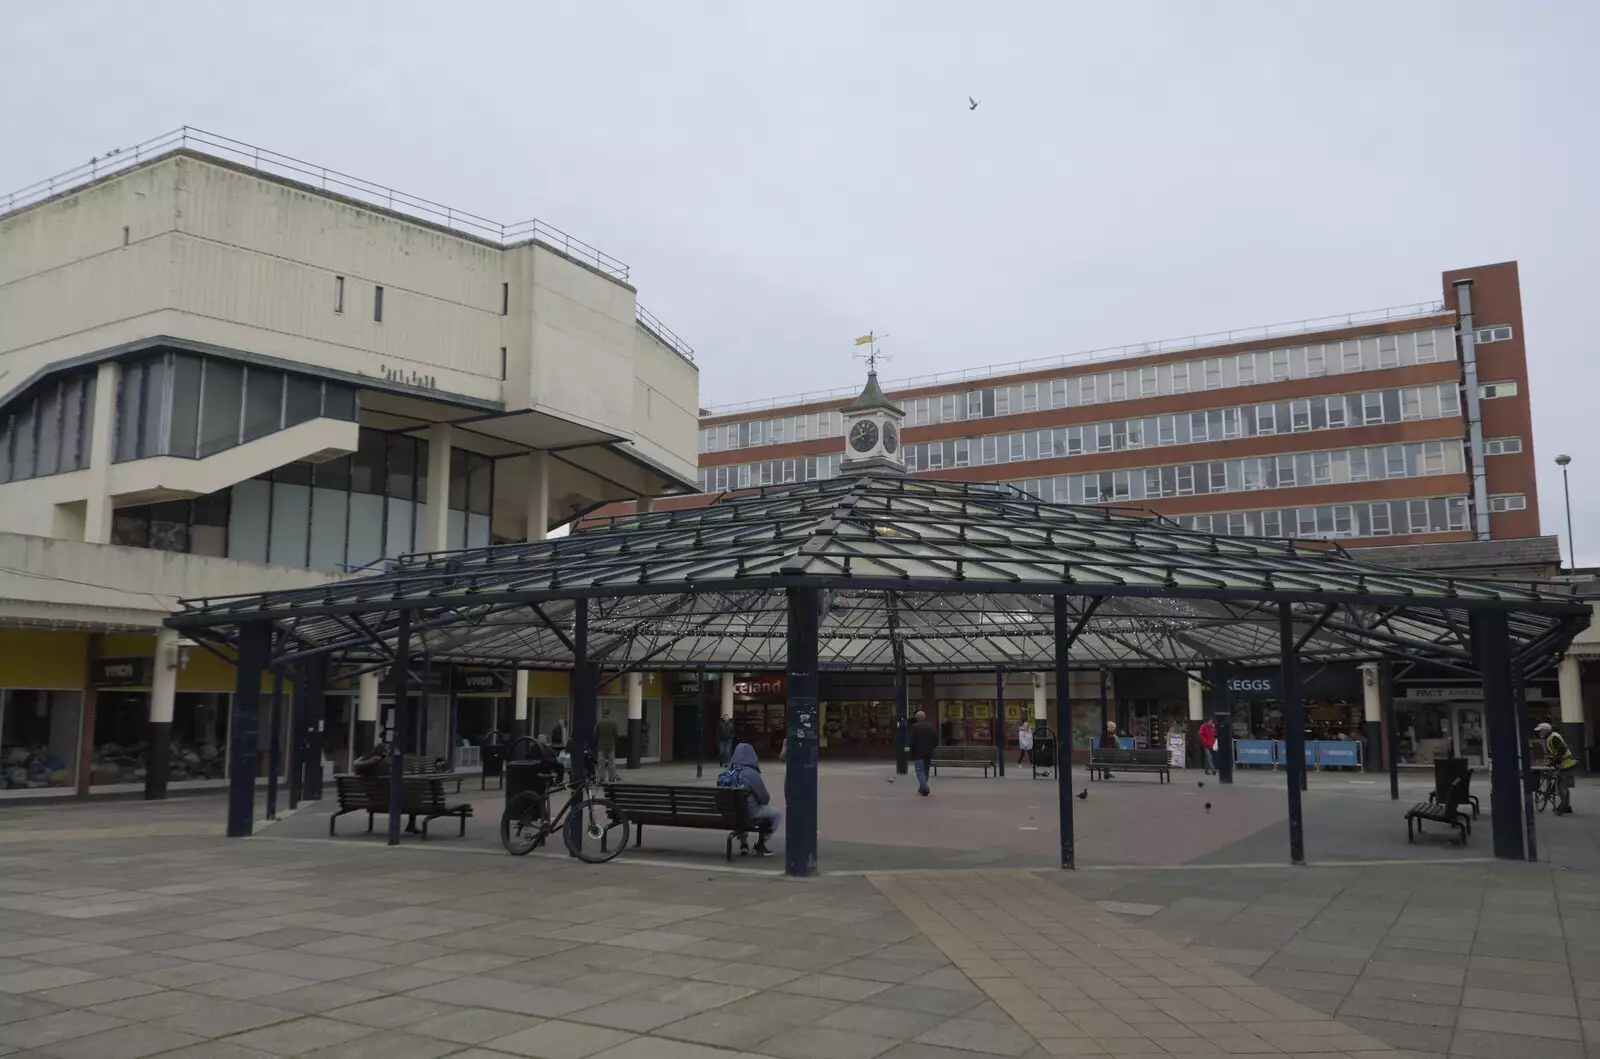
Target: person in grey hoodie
[{"x": 762, "y": 811}]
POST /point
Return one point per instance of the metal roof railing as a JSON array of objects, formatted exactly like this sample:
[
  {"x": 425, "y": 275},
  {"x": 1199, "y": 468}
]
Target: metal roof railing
[
  {"x": 663, "y": 332},
  {"x": 237, "y": 152},
  {"x": 1142, "y": 349}
]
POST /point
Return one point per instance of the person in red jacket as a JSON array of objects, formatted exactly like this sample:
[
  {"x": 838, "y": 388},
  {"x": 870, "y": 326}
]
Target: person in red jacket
[{"x": 1208, "y": 745}]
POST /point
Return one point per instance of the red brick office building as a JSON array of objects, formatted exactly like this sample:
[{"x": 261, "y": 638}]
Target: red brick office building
[{"x": 1392, "y": 427}]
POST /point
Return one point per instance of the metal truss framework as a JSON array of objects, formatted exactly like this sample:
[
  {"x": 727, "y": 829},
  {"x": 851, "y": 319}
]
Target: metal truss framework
[{"x": 938, "y": 576}]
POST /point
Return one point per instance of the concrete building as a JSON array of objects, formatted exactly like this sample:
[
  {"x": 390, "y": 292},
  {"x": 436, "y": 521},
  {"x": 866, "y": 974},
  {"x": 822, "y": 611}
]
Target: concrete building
[{"x": 225, "y": 370}]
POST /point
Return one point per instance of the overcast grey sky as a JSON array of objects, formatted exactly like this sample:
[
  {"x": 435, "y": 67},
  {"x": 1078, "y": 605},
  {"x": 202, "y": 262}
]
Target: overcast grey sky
[{"x": 783, "y": 179}]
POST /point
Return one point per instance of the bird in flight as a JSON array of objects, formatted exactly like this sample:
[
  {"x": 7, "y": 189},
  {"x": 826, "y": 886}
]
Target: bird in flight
[{"x": 972, "y": 104}]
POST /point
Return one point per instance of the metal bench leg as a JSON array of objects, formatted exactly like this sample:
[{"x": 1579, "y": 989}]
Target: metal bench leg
[
  {"x": 1409, "y": 833},
  {"x": 369, "y": 821},
  {"x": 638, "y": 835},
  {"x": 463, "y": 833}
]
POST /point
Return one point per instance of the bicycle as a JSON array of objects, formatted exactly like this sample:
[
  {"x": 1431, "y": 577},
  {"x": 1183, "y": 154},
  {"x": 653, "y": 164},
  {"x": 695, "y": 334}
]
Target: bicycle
[
  {"x": 601, "y": 836},
  {"x": 1547, "y": 790}
]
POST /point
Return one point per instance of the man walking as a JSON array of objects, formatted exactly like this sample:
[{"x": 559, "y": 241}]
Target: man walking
[
  {"x": 1208, "y": 745},
  {"x": 924, "y": 737},
  {"x": 1559, "y": 755},
  {"x": 605, "y": 743},
  {"x": 1024, "y": 742}
]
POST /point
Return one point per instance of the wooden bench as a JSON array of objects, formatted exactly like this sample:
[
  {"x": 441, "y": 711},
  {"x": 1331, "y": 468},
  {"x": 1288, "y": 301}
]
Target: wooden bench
[
  {"x": 966, "y": 757},
  {"x": 708, "y": 808},
  {"x": 423, "y": 796},
  {"x": 420, "y": 766},
  {"x": 1103, "y": 761},
  {"x": 1448, "y": 811}
]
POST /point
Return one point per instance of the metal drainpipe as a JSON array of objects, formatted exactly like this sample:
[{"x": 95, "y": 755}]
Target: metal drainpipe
[{"x": 1469, "y": 375}]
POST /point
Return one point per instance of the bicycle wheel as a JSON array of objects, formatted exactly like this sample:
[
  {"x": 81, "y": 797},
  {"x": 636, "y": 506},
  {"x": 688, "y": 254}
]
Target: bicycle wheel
[
  {"x": 602, "y": 830},
  {"x": 522, "y": 824}
]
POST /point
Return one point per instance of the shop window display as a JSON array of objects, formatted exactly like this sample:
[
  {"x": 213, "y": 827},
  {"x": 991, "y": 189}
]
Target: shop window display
[
  {"x": 38, "y": 738},
  {"x": 199, "y": 736},
  {"x": 120, "y": 745}
]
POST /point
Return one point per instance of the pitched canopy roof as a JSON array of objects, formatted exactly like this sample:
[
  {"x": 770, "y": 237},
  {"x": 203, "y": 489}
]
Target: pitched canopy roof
[{"x": 953, "y": 576}]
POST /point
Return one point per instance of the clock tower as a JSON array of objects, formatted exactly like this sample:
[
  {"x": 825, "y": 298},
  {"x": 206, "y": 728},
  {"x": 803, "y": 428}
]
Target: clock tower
[{"x": 872, "y": 433}]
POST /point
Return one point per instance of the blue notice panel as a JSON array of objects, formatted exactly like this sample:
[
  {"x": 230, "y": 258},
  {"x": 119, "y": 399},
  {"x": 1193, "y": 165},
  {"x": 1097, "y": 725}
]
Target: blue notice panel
[
  {"x": 1280, "y": 750},
  {"x": 1338, "y": 753},
  {"x": 1253, "y": 752}
]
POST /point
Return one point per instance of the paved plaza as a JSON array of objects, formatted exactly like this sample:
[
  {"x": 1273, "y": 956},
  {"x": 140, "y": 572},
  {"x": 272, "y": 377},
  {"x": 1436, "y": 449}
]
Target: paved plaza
[{"x": 940, "y": 928}]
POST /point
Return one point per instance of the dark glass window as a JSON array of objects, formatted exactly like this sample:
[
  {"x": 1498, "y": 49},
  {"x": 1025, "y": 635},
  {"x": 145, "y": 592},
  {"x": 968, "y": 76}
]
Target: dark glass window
[
  {"x": 482, "y": 489},
  {"x": 367, "y": 467},
  {"x": 130, "y": 526},
  {"x": 333, "y": 474},
  {"x": 22, "y": 443},
  {"x": 169, "y": 526},
  {"x": 73, "y": 451},
  {"x": 5, "y": 448},
  {"x": 421, "y": 493},
  {"x": 47, "y": 412},
  {"x": 302, "y": 400},
  {"x": 153, "y": 399},
  {"x": 402, "y": 475},
  {"x": 339, "y": 402},
  {"x": 460, "y": 473},
  {"x": 222, "y": 393},
  {"x": 129, "y": 404},
  {"x": 263, "y": 402},
  {"x": 184, "y": 415},
  {"x": 293, "y": 474},
  {"x": 208, "y": 524}
]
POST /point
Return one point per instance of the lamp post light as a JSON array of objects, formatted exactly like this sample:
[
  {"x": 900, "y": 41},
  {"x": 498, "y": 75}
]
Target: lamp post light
[{"x": 1572, "y": 552}]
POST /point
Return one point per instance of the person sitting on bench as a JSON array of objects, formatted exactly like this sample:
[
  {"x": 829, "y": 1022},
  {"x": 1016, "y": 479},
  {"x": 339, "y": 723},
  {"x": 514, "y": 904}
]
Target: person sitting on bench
[
  {"x": 1108, "y": 741},
  {"x": 745, "y": 771}
]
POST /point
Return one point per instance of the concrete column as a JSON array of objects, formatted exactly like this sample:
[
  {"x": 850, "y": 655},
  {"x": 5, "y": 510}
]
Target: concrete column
[
  {"x": 366, "y": 715},
  {"x": 635, "y": 717},
  {"x": 163, "y": 693},
  {"x": 102, "y": 447},
  {"x": 727, "y": 696},
  {"x": 519, "y": 703},
  {"x": 1041, "y": 709},
  {"x": 436, "y": 512},
  {"x": 644, "y": 504},
  {"x": 1372, "y": 716},
  {"x": 538, "y": 495},
  {"x": 1570, "y": 675}
]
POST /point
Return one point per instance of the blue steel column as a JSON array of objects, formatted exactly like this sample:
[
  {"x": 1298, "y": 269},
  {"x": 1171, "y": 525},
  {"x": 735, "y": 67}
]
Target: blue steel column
[
  {"x": 700, "y": 723},
  {"x": 583, "y": 689},
  {"x": 800, "y": 778},
  {"x": 1294, "y": 725},
  {"x": 1221, "y": 719},
  {"x": 902, "y": 713},
  {"x": 255, "y": 649},
  {"x": 1000, "y": 718},
  {"x": 275, "y": 742},
  {"x": 400, "y": 685},
  {"x": 1064, "y": 733},
  {"x": 1491, "y": 647}
]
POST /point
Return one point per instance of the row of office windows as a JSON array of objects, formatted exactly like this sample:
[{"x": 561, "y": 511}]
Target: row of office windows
[
  {"x": 1334, "y": 467},
  {"x": 768, "y": 472},
  {"x": 1217, "y": 424},
  {"x": 339, "y": 515},
  {"x": 1187, "y": 376},
  {"x": 177, "y": 404},
  {"x": 1381, "y": 518},
  {"x": 48, "y": 430}
]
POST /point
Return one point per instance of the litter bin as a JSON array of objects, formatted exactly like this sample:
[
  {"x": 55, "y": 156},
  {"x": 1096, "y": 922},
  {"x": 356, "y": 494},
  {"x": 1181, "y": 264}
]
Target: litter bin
[
  {"x": 1044, "y": 752},
  {"x": 493, "y": 757}
]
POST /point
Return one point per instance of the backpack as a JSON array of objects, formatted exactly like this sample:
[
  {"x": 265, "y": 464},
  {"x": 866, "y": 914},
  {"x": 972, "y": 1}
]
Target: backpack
[{"x": 732, "y": 776}]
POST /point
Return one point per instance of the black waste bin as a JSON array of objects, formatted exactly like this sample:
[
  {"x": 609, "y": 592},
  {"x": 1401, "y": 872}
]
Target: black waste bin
[
  {"x": 493, "y": 757},
  {"x": 529, "y": 766}
]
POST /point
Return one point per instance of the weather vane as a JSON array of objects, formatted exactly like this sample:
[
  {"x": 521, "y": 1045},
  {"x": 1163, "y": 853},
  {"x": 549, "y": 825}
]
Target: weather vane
[{"x": 873, "y": 354}]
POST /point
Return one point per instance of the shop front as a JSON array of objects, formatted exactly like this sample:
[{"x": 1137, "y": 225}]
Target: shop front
[
  {"x": 1448, "y": 720},
  {"x": 858, "y": 715},
  {"x": 614, "y": 703},
  {"x": 687, "y": 719},
  {"x": 483, "y": 704},
  {"x": 759, "y": 704}
]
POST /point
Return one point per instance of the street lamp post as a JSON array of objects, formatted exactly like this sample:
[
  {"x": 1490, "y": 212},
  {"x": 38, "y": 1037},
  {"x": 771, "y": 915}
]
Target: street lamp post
[{"x": 1566, "y": 493}]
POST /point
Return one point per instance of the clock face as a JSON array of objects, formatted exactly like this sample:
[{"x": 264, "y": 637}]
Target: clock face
[
  {"x": 891, "y": 438},
  {"x": 864, "y": 435}
]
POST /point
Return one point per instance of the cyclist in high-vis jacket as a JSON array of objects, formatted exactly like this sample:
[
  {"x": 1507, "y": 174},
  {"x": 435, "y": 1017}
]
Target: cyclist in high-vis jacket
[{"x": 1559, "y": 755}]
